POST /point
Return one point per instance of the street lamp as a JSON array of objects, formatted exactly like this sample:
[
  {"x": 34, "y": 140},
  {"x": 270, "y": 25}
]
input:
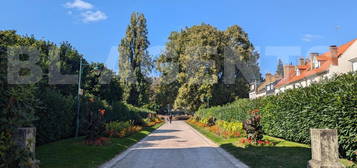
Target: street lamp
[{"x": 79, "y": 93}]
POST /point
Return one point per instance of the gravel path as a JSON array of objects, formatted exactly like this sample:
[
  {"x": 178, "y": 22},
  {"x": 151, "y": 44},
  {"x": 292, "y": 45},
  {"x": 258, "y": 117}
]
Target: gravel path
[{"x": 175, "y": 145}]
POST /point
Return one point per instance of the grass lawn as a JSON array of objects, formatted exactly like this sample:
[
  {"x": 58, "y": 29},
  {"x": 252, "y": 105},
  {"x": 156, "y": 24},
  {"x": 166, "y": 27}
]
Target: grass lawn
[
  {"x": 284, "y": 154},
  {"x": 73, "y": 153}
]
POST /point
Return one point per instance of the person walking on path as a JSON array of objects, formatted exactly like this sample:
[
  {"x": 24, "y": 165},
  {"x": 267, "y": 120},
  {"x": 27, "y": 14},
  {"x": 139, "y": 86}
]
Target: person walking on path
[{"x": 170, "y": 118}]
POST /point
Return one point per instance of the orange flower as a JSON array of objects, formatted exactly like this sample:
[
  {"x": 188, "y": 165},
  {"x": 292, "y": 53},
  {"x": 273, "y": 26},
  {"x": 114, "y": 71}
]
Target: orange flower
[
  {"x": 101, "y": 111},
  {"x": 254, "y": 111}
]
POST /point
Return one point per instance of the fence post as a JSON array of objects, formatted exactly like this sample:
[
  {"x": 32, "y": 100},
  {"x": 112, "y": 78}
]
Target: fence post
[{"x": 324, "y": 149}]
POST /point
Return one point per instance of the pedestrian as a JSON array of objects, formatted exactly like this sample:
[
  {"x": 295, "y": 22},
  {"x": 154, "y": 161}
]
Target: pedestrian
[{"x": 170, "y": 118}]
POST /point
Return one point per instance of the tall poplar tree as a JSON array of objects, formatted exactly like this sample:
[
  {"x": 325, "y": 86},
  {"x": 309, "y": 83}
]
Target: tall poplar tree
[
  {"x": 280, "y": 68},
  {"x": 134, "y": 61}
]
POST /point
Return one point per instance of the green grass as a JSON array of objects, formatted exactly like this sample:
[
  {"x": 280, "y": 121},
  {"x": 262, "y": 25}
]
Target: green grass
[
  {"x": 285, "y": 154},
  {"x": 73, "y": 153}
]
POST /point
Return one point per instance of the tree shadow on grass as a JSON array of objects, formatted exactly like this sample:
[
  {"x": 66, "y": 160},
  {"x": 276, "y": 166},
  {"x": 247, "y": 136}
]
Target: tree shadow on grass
[{"x": 270, "y": 157}]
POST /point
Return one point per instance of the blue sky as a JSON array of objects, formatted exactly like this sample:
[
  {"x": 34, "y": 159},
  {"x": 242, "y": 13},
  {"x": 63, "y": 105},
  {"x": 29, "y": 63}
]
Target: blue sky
[{"x": 278, "y": 28}]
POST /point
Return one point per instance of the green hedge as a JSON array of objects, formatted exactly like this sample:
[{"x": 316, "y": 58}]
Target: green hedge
[
  {"x": 124, "y": 112},
  {"x": 290, "y": 115},
  {"x": 236, "y": 111},
  {"x": 330, "y": 104},
  {"x": 55, "y": 117}
]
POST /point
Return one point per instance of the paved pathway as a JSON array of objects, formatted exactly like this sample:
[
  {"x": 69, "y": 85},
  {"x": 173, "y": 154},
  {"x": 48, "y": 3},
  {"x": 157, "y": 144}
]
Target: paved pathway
[{"x": 175, "y": 145}]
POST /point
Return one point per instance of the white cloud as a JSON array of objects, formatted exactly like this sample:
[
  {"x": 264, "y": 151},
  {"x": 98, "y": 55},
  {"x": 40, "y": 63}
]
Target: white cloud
[
  {"x": 79, "y": 4},
  {"x": 91, "y": 16},
  {"x": 311, "y": 37}
]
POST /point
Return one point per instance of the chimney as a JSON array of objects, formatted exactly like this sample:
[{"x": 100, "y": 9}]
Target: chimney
[
  {"x": 287, "y": 71},
  {"x": 334, "y": 54},
  {"x": 301, "y": 61},
  {"x": 313, "y": 57}
]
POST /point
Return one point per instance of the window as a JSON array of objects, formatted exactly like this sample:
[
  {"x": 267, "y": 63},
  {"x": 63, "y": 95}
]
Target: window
[
  {"x": 252, "y": 87},
  {"x": 354, "y": 66},
  {"x": 270, "y": 87}
]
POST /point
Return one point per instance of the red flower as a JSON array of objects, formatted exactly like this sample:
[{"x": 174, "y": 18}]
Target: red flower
[
  {"x": 260, "y": 142},
  {"x": 254, "y": 111},
  {"x": 242, "y": 140},
  {"x": 101, "y": 111}
]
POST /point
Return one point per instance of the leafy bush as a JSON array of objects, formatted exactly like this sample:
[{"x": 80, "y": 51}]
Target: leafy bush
[
  {"x": 230, "y": 129},
  {"x": 18, "y": 105},
  {"x": 253, "y": 127},
  {"x": 121, "y": 129},
  {"x": 290, "y": 115},
  {"x": 331, "y": 104},
  {"x": 236, "y": 111},
  {"x": 56, "y": 107},
  {"x": 152, "y": 121},
  {"x": 125, "y": 112}
]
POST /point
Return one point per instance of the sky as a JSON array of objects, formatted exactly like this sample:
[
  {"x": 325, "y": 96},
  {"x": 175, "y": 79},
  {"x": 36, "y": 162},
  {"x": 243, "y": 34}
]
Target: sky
[{"x": 279, "y": 29}]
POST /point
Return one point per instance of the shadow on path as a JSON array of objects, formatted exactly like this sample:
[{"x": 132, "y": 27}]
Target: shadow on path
[
  {"x": 165, "y": 131},
  {"x": 199, "y": 157}
]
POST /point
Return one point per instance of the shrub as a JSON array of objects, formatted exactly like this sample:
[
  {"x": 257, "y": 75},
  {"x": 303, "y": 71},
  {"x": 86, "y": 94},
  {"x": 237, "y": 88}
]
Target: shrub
[
  {"x": 95, "y": 120},
  {"x": 330, "y": 104},
  {"x": 236, "y": 111},
  {"x": 121, "y": 129},
  {"x": 124, "y": 112},
  {"x": 56, "y": 107},
  {"x": 290, "y": 115},
  {"x": 18, "y": 105},
  {"x": 231, "y": 129},
  {"x": 253, "y": 127}
]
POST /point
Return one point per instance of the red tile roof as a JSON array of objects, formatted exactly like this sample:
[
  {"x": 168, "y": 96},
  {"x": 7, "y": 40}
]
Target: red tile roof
[{"x": 325, "y": 64}]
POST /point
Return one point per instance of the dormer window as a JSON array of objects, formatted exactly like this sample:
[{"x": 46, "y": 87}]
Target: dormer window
[{"x": 316, "y": 63}]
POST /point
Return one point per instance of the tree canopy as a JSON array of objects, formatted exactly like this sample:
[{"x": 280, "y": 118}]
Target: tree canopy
[{"x": 203, "y": 66}]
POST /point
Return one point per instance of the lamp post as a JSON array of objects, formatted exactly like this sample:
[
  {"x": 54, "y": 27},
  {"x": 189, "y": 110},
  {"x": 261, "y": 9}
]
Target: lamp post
[{"x": 79, "y": 93}]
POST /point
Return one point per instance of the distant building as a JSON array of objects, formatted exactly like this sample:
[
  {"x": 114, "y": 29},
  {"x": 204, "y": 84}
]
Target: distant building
[
  {"x": 338, "y": 60},
  {"x": 267, "y": 87}
]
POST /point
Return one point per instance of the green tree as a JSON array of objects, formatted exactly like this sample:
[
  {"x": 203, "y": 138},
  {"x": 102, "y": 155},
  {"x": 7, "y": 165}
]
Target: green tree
[
  {"x": 280, "y": 68},
  {"x": 135, "y": 62},
  {"x": 195, "y": 60}
]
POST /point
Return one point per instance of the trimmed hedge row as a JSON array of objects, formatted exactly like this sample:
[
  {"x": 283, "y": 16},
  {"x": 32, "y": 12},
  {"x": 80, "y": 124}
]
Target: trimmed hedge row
[
  {"x": 290, "y": 115},
  {"x": 330, "y": 104},
  {"x": 235, "y": 111}
]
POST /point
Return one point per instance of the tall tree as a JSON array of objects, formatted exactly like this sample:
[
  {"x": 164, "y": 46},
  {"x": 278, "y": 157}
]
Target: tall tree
[
  {"x": 194, "y": 65},
  {"x": 280, "y": 68},
  {"x": 134, "y": 61}
]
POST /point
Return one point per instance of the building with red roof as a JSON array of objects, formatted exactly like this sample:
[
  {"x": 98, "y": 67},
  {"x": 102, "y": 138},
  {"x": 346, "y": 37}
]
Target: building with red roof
[{"x": 337, "y": 60}]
